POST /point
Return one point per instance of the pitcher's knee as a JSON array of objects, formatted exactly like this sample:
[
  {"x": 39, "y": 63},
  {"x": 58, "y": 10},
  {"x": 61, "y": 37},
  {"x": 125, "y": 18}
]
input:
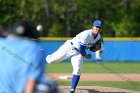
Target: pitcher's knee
[
  {"x": 48, "y": 60},
  {"x": 77, "y": 71}
]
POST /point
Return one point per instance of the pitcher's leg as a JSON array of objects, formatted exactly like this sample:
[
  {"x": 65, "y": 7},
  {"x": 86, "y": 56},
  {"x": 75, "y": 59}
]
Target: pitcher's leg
[
  {"x": 58, "y": 55},
  {"x": 65, "y": 51},
  {"x": 77, "y": 62}
]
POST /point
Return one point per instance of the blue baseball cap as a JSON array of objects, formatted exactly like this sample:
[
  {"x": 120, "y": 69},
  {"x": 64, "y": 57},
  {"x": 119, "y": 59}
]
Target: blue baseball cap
[{"x": 98, "y": 23}]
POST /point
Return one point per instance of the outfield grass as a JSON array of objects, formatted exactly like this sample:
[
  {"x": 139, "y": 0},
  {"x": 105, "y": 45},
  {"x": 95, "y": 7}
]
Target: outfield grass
[
  {"x": 88, "y": 67},
  {"x": 116, "y": 84}
]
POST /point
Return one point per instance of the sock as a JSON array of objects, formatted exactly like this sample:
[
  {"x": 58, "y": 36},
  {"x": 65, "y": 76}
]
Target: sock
[{"x": 75, "y": 80}]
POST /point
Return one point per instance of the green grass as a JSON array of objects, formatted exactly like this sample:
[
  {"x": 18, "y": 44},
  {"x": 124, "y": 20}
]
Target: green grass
[
  {"x": 116, "y": 84},
  {"x": 106, "y": 67}
]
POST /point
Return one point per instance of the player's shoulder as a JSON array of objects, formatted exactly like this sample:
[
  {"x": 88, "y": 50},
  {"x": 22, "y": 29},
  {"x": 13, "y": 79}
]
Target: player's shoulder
[
  {"x": 33, "y": 45},
  {"x": 26, "y": 43},
  {"x": 86, "y": 32}
]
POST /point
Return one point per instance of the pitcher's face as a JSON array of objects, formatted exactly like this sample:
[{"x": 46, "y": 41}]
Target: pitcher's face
[{"x": 96, "y": 29}]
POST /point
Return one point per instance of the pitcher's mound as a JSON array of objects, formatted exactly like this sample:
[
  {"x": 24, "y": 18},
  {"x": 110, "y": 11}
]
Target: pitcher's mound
[{"x": 96, "y": 89}]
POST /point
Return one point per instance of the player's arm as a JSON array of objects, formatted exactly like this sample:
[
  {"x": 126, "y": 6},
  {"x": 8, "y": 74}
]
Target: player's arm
[
  {"x": 94, "y": 49},
  {"x": 30, "y": 86},
  {"x": 83, "y": 52}
]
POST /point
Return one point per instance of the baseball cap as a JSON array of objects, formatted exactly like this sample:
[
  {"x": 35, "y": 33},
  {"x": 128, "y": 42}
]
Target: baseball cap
[
  {"x": 25, "y": 29},
  {"x": 98, "y": 23}
]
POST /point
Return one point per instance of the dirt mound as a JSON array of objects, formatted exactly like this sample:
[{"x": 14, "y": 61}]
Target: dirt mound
[
  {"x": 131, "y": 78},
  {"x": 96, "y": 89}
]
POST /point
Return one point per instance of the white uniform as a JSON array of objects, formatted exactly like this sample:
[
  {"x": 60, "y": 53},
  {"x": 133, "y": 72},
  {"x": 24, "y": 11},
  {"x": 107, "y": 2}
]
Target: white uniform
[{"x": 70, "y": 49}]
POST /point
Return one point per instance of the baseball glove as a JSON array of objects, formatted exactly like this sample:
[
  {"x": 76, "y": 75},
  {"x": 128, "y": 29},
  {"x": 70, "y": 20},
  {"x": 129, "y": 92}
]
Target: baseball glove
[{"x": 97, "y": 45}]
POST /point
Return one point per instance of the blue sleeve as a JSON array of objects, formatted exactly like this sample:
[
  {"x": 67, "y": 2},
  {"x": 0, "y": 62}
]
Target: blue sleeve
[{"x": 82, "y": 50}]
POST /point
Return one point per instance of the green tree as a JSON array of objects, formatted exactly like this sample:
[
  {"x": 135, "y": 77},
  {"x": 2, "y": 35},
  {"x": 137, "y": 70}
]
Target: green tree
[{"x": 66, "y": 18}]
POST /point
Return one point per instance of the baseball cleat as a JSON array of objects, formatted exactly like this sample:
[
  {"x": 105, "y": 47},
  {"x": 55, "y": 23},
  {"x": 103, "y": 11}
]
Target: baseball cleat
[{"x": 72, "y": 91}]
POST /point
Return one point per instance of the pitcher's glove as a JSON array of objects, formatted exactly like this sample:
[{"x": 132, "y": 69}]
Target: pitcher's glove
[{"x": 96, "y": 46}]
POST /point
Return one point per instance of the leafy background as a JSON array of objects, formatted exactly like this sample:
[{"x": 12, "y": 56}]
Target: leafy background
[{"x": 66, "y": 18}]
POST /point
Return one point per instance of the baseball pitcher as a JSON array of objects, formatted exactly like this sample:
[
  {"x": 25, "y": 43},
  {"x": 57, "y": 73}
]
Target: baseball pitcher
[{"x": 76, "y": 49}]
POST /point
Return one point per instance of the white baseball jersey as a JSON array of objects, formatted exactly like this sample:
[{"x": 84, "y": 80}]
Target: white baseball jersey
[{"x": 85, "y": 38}]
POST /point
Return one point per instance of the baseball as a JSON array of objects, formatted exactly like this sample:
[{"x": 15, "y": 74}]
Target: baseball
[{"x": 39, "y": 28}]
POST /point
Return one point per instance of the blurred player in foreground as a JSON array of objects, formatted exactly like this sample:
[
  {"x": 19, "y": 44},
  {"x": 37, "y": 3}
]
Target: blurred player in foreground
[
  {"x": 76, "y": 49},
  {"x": 22, "y": 63}
]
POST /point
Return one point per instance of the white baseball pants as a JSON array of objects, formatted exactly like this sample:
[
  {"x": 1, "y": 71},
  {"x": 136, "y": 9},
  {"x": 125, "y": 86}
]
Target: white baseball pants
[{"x": 65, "y": 51}]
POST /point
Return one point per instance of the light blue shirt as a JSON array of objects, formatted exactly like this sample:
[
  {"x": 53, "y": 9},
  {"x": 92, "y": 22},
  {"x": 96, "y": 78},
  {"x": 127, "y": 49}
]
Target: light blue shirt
[{"x": 20, "y": 60}]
